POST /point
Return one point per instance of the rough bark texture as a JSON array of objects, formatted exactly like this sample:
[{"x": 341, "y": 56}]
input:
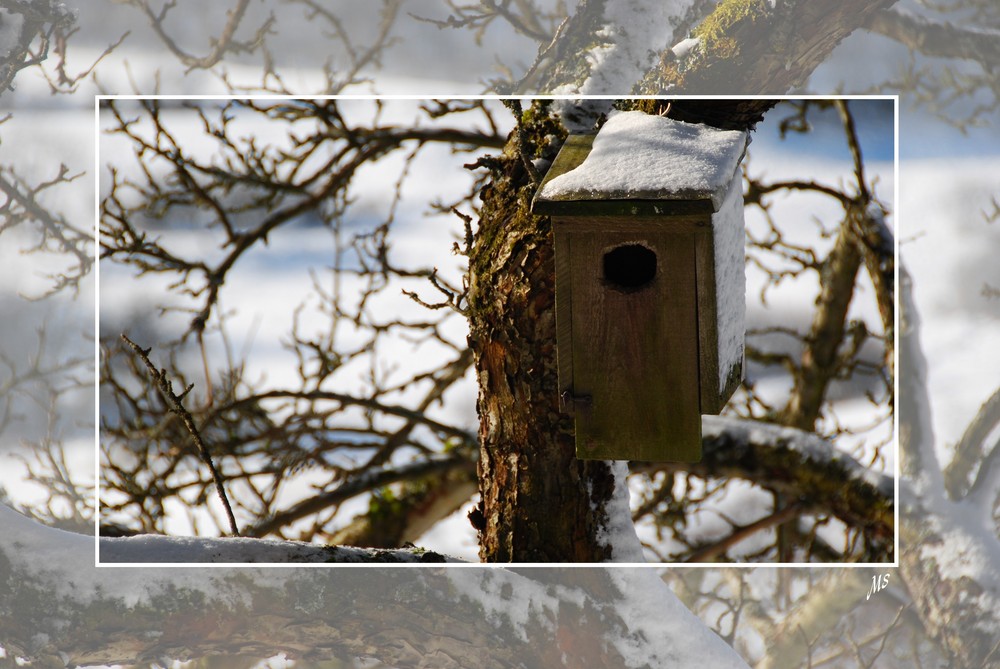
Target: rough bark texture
[
  {"x": 947, "y": 570},
  {"x": 750, "y": 47},
  {"x": 402, "y": 618},
  {"x": 539, "y": 503}
]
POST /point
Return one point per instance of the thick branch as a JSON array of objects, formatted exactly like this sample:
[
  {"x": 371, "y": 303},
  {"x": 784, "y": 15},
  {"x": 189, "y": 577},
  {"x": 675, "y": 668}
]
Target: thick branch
[
  {"x": 916, "y": 432},
  {"x": 159, "y": 549},
  {"x": 801, "y": 466},
  {"x": 949, "y": 566},
  {"x": 753, "y": 46},
  {"x": 446, "y": 619},
  {"x": 938, "y": 39},
  {"x": 437, "y": 469},
  {"x": 404, "y": 517},
  {"x": 820, "y": 359},
  {"x": 946, "y": 559}
]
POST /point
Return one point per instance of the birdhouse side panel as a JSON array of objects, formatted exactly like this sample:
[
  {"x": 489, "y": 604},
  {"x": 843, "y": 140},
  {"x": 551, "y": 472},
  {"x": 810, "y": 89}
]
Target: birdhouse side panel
[
  {"x": 635, "y": 347},
  {"x": 729, "y": 248},
  {"x": 712, "y": 400}
]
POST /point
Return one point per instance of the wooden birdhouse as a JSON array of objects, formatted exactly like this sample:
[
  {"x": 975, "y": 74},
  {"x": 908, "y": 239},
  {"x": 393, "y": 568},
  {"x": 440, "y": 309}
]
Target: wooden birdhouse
[{"x": 647, "y": 217}]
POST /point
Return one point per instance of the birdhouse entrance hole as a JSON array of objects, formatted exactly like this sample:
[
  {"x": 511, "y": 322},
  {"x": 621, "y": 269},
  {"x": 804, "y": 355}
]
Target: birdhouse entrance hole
[
  {"x": 648, "y": 242},
  {"x": 630, "y": 267}
]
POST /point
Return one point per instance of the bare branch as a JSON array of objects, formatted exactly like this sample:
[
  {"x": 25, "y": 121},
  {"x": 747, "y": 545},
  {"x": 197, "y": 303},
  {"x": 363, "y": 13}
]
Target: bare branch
[
  {"x": 225, "y": 43},
  {"x": 177, "y": 406}
]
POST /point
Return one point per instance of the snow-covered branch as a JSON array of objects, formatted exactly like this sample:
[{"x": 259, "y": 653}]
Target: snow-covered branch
[
  {"x": 948, "y": 560},
  {"x": 444, "y": 618},
  {"x": 916, "y": 435},
  {"x": 938, "y": 38},
  {"x": 156, "y": 548},
  {"x": 948, "y": 551},
  {"x": 801, "y": 466},
  {"x": 761, "y": 47}
]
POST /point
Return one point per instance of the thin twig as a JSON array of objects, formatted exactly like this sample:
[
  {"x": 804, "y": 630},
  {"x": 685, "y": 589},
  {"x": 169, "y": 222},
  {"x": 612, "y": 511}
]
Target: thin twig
[
  {"x": 174, "y": 401},
  {"x": 713, "y": 550}
]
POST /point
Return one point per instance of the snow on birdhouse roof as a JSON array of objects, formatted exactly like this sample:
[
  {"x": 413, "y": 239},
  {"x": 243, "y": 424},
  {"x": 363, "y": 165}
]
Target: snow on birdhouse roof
[{"x": 638, "y": 156}]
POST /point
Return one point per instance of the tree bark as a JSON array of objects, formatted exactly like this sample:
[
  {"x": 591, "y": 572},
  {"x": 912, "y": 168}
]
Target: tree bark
[
  {"x": 752, "y": 47},
  {"x": 746, "y": 47},
  {"x": 949, "y": 570},
  {"x": 539, "y": 503}
]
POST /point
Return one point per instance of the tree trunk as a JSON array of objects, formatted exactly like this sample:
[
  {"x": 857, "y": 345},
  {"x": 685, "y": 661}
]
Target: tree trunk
[{"x": 539, "y": 503}]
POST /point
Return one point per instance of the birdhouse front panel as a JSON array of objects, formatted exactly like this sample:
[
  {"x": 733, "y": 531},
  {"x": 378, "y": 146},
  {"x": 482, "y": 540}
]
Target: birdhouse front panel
[
  {"x": 634, "y": 354},
  {"x": 648, "y": 232}
]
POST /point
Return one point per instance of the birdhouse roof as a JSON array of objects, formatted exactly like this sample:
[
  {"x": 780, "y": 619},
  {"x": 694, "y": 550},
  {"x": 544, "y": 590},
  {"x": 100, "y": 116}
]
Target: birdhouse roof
[{"x": 668, "y": 165}]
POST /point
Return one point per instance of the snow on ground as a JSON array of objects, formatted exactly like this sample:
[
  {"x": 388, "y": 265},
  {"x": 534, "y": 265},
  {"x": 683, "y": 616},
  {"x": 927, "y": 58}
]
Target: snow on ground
[{"x": 647, "y": 619}]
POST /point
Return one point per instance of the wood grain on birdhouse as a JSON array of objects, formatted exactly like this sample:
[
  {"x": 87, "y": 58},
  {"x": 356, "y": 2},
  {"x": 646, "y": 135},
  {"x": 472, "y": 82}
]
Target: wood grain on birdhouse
[{"x": 649, "y": 283}]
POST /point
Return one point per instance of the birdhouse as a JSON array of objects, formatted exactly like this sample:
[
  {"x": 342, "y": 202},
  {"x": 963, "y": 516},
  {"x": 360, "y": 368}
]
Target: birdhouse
[{"x": 647, "y": 217}]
